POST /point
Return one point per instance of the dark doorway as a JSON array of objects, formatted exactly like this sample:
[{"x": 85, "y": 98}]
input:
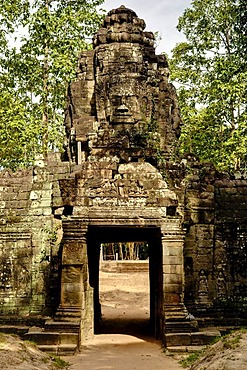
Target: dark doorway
[{"x": 150, "y": 237}]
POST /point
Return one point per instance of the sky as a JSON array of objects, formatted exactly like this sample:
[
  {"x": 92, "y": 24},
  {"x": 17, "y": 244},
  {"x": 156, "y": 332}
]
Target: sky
[{"x": 159, "y": 15}]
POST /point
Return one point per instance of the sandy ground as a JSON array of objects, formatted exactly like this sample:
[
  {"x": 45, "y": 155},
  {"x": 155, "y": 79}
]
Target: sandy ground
[
  {"x": 122, "y": 352},
  {"x": 16, "y": 354},
  {"x": 123, "y": 341}
]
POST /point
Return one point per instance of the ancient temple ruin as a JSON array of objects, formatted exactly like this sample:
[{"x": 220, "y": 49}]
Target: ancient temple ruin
[{"x": 121, "y": 181}]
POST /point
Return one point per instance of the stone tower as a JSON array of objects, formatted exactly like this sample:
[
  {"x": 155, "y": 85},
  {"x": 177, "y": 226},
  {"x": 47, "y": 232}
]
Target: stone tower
[
  {"x": 122, "y": 104},
  {"x": 122, "y": 120}
]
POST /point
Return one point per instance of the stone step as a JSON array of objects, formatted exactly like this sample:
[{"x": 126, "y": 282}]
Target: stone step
[
  {"x": 68, "y": 314},
  {"x": 181, "y": 326},
  {"x": 52, "y": 338},
  {"x": 62, "y": 326},
  {"x": 204, "y": 337},
  {"x": 184, "y": 349},
  {"x": 49, "y": 348},
  {"x": 225, "y": 320},
  {"x": 14, "y": 329},
  {"x": 69, "y": 338},
  {"x": 67, "y": 349},
  {"x": 190, "y": 339},
  {"x": 59, "y": 350}
]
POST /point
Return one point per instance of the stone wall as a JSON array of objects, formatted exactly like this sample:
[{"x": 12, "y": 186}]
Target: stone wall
[
  {"x": 33, "y": 202},
  {"x": 231, "y": 240},
  {"x": 30, "y": 234},
  {"x": 16, "y": 242},
  {"x": 214, "y": 211}
]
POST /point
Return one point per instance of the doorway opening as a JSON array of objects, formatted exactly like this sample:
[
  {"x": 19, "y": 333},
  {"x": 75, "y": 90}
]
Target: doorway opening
[{"x": 125, "y": 271}]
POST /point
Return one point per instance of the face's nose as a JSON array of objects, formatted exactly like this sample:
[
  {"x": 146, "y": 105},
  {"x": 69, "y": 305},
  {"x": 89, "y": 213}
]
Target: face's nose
[{"x": 122, "y": 109}]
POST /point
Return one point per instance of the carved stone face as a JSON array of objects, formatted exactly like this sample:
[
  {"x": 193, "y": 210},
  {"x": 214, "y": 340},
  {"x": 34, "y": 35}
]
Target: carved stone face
[
  {"x": 118, "y": 78},
  {"x": 123, "y": 102}
]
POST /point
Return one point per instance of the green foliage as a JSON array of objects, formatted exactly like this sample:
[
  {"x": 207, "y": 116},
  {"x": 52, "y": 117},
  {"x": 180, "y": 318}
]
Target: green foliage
[
  {"x": 147, "y": 137},
  {"x": 59, "y": 362},
  {"x": 29, "y": 343},
  {"x": 210, "y": 68},
  {"x": 231, "y": 342},
  {"x": 125, "y": 251},
  {"x": 191, "y": 359},
  {"x": 228, "y": 341},
  {"x": 35, "y": 74},
  {"x": 3, "y": 339},
  {"x": 19, "y": 132},
  {"x": 51, "y": 235},
  {"x": 241, "y": 29}
]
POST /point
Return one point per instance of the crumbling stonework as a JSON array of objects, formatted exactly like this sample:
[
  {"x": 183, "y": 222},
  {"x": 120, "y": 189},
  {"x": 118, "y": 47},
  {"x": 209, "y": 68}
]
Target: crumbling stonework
[
  {"x": 29, "y": 237},
  {"x": 214, "y": 211},
  {"x": 120, "y": 184}
]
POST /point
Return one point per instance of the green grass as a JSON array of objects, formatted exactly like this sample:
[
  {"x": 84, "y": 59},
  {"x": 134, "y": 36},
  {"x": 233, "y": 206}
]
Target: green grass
[
  {"x": 191, "y": 359},
  {"x": 59, "y": 362},
  {"x": 30, "y": 343},
  {"x": 229, "y": 341},
  {"x": 2, "y": 338}
]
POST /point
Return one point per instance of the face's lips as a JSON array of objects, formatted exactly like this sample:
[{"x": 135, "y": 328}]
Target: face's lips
[{"x": 122, "y": 110}]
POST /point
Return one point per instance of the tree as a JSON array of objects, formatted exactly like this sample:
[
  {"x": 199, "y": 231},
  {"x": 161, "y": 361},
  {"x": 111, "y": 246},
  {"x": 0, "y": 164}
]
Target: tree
[
  {"x": 241, "y": 28},
  {"x": 18, "y": 132},
  {"x": 211, "y": 70},
  {"x": 38, "y": 71}
]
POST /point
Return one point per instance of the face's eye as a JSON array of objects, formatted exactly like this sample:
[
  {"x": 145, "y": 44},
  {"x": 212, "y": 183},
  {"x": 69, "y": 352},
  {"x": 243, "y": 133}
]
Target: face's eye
[{"x": 116, "y": 100}]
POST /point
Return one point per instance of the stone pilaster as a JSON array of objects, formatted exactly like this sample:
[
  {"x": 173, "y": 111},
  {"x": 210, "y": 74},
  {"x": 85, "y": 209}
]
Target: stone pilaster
[
  {"x": 173, "y": 270},
  {"x": 74, "y": 268}
]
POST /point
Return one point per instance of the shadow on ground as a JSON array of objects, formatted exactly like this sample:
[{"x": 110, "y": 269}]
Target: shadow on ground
[{"x": 125, "y": 321}]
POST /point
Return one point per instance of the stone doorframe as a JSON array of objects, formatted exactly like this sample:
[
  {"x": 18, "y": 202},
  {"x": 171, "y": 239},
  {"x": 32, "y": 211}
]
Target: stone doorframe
[{"x": 77, "y": 301}]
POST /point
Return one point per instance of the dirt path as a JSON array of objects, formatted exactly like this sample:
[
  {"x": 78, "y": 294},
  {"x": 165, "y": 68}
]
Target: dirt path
[
  {"x": 122, "y": 352},
  {"x": 123, "y": 341}
]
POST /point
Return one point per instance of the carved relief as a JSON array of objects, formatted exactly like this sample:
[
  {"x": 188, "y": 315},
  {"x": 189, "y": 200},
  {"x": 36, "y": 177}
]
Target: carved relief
[
  {"x": 221, "y": 285},
  {"x": 71, "y": 274},
  {"x": 116, "y": 202},
  {"x": 15, "y": 265},
  {"x": 73, "y": 253},
  {"x": 202, "y": 287},
  {"x": 117, "y": 187}
]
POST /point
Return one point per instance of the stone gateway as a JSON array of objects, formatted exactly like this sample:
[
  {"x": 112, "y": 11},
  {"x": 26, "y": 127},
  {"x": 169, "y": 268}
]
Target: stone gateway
[{"x": 120, "y": 180}]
